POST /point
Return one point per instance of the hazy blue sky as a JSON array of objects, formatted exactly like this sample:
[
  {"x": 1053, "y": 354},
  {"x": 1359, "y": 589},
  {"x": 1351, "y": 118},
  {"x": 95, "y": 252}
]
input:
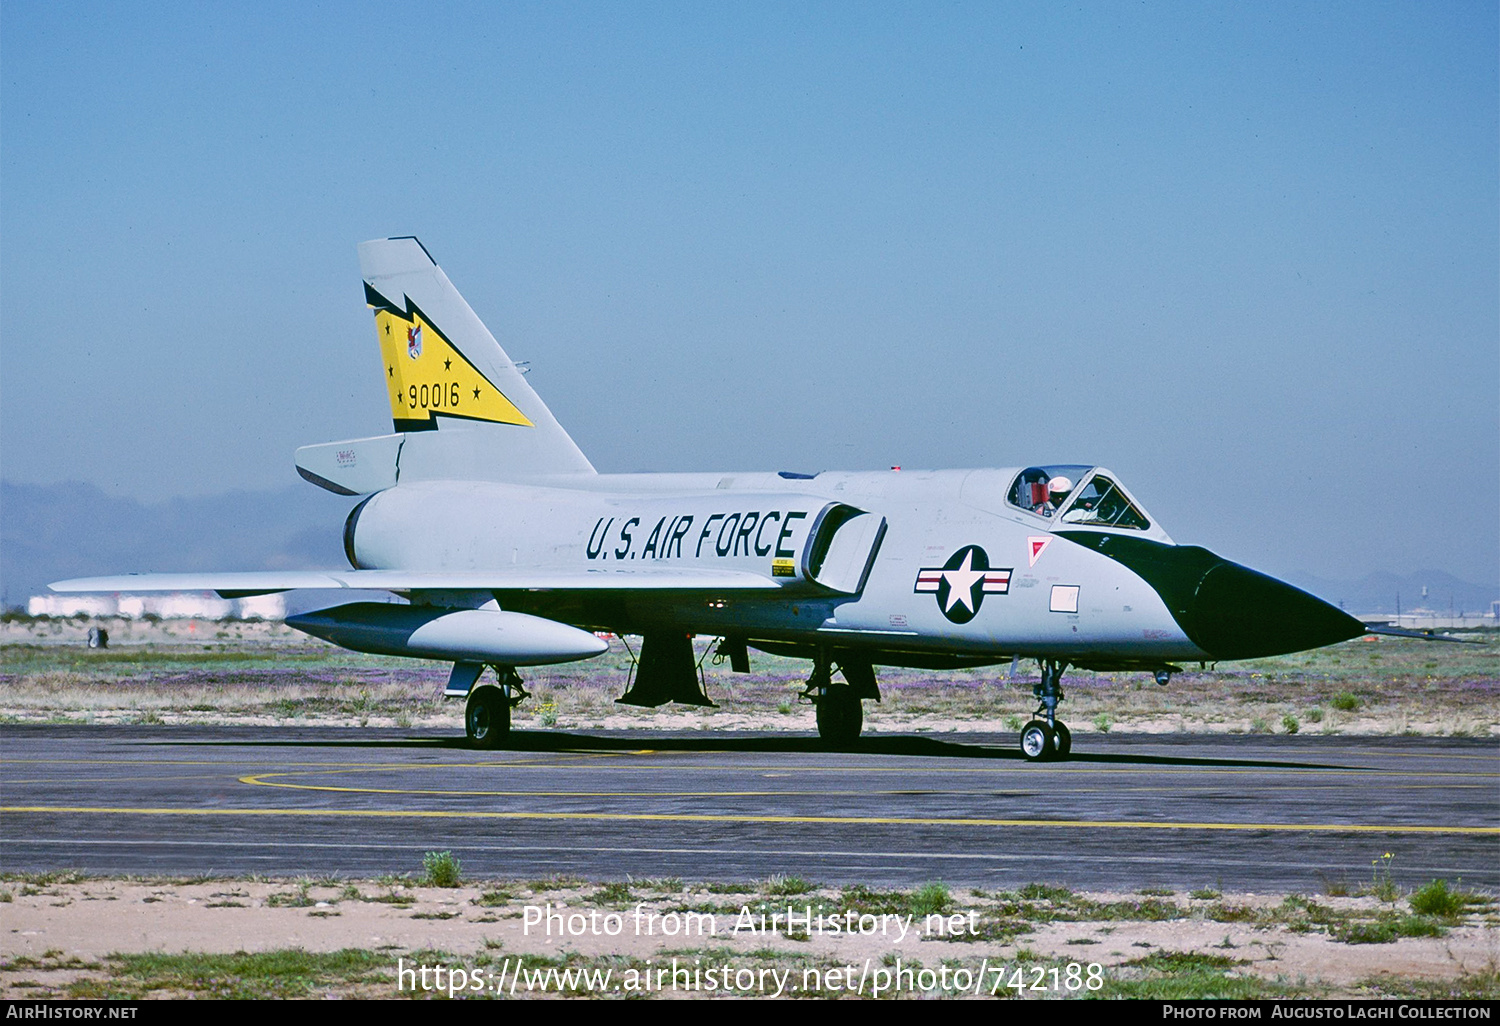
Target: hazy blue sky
[{"x": 1245, "y": 255}]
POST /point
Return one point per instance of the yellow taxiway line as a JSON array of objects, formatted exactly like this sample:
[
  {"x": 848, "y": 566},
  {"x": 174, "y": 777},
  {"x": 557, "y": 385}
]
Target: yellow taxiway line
[
  {"x": 262, "y": 780},
  {"x": 682, "y": 817}
]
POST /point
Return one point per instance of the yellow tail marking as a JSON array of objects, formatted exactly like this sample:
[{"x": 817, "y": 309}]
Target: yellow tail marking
[{"x": 426, "y": 376}]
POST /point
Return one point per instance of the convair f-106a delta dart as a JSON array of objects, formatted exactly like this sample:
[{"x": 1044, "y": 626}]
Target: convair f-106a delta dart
[{"x": 513, "y": 551}]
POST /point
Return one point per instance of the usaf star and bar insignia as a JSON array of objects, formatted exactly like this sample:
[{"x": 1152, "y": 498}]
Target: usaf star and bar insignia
[{"x": 962, "y": 583}]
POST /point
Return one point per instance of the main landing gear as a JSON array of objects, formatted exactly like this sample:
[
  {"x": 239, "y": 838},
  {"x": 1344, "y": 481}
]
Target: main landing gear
[
  {"x": 841, "y": 716},
  {"x": 1047, "y": 737},
  {"x": 840, "y": 706},
  {"x": 487, "y": 712}
]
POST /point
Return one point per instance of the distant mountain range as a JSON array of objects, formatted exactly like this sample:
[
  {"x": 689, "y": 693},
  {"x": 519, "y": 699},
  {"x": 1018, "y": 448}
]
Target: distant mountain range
[
  {"x": 1380, "y": 592},
  {"x": 51, "y": 532}
]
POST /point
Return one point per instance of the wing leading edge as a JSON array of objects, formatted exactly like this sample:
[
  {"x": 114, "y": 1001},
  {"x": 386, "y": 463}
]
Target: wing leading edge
[{"x": 236, "y": 585}]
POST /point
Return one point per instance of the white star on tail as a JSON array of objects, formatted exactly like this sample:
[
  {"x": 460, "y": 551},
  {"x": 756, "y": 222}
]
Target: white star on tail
[{"x": 961, "y": 583}]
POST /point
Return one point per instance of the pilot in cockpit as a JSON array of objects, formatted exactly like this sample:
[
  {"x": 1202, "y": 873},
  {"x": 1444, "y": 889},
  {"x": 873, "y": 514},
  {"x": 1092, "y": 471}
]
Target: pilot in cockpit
[
  {"x": 1047, "y": 499},
  {"x": 1058, "y": 490},
  {"x": 1035, "y": 492}
]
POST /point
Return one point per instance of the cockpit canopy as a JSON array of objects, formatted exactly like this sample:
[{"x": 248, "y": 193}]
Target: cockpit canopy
[{"x": 1077, "y": 495}]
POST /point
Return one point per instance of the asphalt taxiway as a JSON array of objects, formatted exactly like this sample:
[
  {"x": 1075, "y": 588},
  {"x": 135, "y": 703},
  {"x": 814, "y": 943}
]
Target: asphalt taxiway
[{"x": 1246, "y": 812}]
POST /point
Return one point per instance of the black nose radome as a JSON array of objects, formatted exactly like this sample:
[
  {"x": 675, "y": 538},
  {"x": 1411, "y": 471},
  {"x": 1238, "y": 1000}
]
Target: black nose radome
[
  {"x": 1228, "y": 610},
  {"x": 1238, "y": 613}
]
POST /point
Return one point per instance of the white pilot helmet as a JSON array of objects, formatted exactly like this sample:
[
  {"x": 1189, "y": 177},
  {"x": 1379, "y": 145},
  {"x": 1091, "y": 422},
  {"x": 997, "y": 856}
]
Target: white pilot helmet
[{"x": 1059, "y": 486}]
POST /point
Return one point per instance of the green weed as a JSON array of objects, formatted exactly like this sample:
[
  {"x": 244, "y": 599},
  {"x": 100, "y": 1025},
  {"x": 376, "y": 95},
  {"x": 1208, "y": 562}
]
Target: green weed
[
  {"x": 1046, "y": 892},
  {"x": 1386, "y": 929},
  {"x": 300, "y": 899},
  {"x": 787, "y": 885},
  {"x": 1184, "y": 961},
  {"x": 613, "y": 894},
  {"x": 392, "y": 898},
  {"x": 868, "y": 901},
  {"x": 271, "y": 974},
  {"x": 1177, "y": 975},
  {"x": 931, "y": 898},
  {"x": 441, "y": 869},
  {"x": 1438, "y": 899}
]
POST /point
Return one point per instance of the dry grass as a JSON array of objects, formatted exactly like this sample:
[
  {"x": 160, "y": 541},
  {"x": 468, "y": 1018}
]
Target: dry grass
[{"x": 1389, "y": 686}]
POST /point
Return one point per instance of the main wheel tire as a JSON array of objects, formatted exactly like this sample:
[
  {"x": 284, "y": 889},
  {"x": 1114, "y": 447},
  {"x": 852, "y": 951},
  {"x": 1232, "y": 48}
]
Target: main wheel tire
[
  {"x": 487, "y": 717},
  {"x": 1062, "y": 740},
  {"x": 1037, "y": 742},
  {"x": 841, "y": 716}
]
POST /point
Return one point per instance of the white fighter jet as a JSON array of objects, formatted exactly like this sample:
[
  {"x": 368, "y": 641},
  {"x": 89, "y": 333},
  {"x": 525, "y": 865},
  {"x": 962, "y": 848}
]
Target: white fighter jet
[{"x": 513, "y": 551}]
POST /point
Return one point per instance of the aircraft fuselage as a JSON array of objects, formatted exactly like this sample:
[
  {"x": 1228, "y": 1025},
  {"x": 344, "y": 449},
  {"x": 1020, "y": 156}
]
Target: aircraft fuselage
[{"x": 954, "y": 572}]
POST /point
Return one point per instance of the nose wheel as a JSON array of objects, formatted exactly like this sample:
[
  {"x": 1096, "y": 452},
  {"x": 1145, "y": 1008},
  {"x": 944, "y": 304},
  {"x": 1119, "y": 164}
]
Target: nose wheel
[
  {"x": 1040, "y": 742},
  {"x": 1036, "y": 741},
  {"x": 1062, "y": 739},
  {"x": 1047, "y": 737}
]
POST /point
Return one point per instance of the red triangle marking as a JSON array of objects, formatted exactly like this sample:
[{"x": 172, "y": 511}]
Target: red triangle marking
[{"x": 1037, "y": 545}]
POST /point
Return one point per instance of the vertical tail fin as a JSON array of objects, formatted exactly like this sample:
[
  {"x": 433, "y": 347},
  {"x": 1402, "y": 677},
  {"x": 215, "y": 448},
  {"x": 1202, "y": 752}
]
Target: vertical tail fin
[{"x": 461, "y": 403}]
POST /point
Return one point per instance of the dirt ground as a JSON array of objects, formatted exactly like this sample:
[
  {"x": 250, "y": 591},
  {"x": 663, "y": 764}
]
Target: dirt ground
[{"x": 53, "y": 932}]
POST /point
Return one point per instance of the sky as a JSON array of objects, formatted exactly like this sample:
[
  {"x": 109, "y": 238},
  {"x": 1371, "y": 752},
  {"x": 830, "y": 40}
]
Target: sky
[{"x": 1245, "y": 255}]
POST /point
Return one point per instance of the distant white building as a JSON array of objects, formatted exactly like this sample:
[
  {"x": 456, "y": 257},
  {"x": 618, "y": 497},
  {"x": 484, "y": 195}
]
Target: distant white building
[
  {"x": 72, "y": 605},
  {"x": 168, "y": 605},
  {"x": 267, "y": 607}
]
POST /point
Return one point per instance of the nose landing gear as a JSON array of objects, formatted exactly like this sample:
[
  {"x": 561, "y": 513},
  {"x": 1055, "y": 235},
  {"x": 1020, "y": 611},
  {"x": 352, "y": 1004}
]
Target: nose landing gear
[{"x": 1047, "y": 737}]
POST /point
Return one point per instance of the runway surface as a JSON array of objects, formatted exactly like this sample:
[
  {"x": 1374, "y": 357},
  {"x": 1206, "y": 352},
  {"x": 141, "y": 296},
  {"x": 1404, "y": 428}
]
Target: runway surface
[{"x": 1236, "y": 812}]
